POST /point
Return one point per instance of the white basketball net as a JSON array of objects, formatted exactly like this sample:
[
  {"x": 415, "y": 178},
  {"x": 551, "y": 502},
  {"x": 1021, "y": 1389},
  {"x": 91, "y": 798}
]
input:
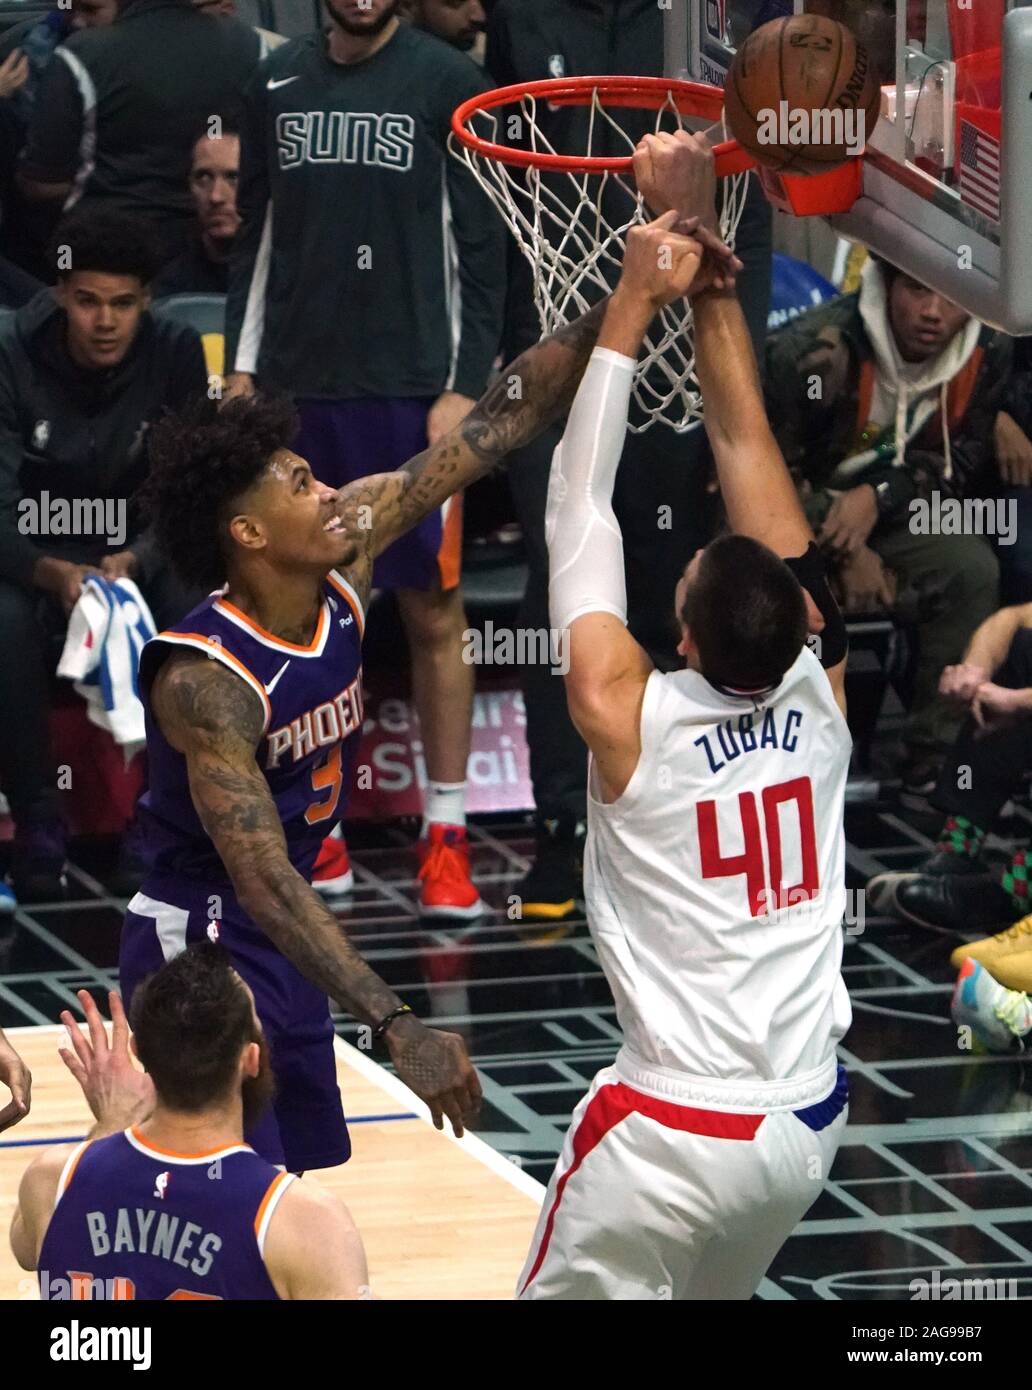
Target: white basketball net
[{"x": 575, "y": 250}]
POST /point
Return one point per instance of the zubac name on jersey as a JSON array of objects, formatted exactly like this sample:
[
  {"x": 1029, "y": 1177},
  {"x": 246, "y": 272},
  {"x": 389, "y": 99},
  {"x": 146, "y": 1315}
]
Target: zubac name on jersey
[{"x": 779, "y": 730}]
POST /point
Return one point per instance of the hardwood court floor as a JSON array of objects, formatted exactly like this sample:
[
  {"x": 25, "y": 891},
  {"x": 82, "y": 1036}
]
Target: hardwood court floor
[{"x": 440, "y": 1218}]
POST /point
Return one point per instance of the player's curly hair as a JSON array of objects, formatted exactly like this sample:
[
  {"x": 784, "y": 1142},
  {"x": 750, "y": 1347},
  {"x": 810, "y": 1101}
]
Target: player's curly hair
[
  {"x": 95, "y": 238},
  {"x": 202, "y": 461}
]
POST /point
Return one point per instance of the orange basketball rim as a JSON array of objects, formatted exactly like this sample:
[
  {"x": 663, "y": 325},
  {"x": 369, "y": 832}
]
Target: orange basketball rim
[{"x": 687, "y": 99}]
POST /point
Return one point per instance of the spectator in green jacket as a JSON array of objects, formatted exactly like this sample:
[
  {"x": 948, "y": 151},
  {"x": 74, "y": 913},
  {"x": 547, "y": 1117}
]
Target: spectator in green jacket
[{"x": 884, "y": 403}]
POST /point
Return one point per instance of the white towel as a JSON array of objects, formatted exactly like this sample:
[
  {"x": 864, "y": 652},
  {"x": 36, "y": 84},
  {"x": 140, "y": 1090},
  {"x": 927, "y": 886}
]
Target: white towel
[{"x": 106, "y": 634}]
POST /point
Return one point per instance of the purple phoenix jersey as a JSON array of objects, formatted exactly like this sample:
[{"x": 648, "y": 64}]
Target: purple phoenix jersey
[
  {"x": 135, "y": 1221},
  {"x": 312, "y": 698}
]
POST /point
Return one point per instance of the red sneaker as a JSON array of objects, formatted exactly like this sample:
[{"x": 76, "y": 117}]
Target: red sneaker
[
  {"x": 333, "y": 876},
  {"x": 448, "y": 890}
]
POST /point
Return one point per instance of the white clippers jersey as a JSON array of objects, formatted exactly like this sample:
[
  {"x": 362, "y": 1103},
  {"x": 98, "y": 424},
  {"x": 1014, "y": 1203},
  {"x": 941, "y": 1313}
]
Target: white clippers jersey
[{"x": 715, "y": 887}]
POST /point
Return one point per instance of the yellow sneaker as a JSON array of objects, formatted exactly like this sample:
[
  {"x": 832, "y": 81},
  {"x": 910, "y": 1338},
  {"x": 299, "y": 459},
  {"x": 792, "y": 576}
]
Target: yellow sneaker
[{"x": 1007, "y": 956}]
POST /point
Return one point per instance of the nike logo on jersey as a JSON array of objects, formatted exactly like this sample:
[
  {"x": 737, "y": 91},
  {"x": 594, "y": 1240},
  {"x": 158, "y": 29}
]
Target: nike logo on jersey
[
  {"x": 275, "y": 82},
  {"x": 275, "y": 680}
]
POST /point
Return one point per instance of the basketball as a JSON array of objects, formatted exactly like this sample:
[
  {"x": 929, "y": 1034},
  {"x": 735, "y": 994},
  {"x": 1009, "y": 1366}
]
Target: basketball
[{"x": 801, "y": 95}]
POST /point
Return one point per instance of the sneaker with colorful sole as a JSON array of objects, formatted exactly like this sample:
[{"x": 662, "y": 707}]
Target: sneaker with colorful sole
[
  {"x": 1007, "y": 955},
  {"x": 998, "y": 1017}
]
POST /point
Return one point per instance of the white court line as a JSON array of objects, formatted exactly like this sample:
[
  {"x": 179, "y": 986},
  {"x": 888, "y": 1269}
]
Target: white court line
[
  {"x": 55, "y": 1028},
  {"x": 475, "y": 1146}
]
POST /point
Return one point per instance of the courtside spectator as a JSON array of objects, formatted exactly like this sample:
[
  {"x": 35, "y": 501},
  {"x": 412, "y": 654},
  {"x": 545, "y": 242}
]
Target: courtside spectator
[
  {"x": 34, "y": 41},
  {"x": 1012, "y": 440},
  {"x": 458, "y": 22},
  {"x": 84, "y": 369},
  {"x": 203, "y": 268},
  {"x": 879, "y": 399},
  {"x": 368, "y": 284},
  {"x": 120, "y": 108},
  {"x": 26, "y": 53},
  {"x": 952, "y": 889},
  {"x": 17, "y": 286}
]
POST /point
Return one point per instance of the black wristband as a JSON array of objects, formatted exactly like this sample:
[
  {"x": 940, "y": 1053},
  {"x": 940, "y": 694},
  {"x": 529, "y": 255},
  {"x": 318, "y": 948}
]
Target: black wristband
[
  {"x": 385, "y": 1023},
  {"x": 812, "y": 576}
]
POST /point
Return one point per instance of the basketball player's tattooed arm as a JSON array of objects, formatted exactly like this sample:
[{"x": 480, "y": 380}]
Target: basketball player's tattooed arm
[
  {"x": 210, "y": 716},
  {"x": 528, "y": 395}
]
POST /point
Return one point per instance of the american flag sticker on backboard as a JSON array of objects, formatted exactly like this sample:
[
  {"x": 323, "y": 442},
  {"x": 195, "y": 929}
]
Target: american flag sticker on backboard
[{"x": 980, "y": 170}]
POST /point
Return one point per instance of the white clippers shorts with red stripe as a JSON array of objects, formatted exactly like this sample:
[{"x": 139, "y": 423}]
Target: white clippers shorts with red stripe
[{"x": 652, "y": 1198}]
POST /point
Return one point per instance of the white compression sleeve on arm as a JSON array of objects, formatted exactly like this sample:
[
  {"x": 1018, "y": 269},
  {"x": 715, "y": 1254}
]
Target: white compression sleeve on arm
[{"x": 585, "y": 547}]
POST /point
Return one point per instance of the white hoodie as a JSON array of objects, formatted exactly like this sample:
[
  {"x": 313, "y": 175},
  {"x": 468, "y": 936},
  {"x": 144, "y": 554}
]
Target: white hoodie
[{"x": 904, "y": 392}]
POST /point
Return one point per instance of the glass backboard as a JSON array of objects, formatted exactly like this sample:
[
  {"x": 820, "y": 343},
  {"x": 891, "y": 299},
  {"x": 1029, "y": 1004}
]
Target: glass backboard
[{"x": 947, "y": 179}]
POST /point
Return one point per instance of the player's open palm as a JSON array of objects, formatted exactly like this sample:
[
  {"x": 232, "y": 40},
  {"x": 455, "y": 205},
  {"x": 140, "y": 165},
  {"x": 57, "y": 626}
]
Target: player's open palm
[
  {"x": 660, "y": 263},
  {"x": 436, "y": 1066},
  {"x": 117, "y": 1092}
]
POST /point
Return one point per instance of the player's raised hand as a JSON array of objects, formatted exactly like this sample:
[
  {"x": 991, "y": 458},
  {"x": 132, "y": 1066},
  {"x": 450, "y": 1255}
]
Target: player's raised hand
[
  {"x": 436, "y": 1066},
  {"x": 720, "y": 265},
  {"x": 117, "y": 1092},
  {"x": 675, "y": 170},
  {"x": 660, "y": 262},
  {"x": 15, "y": 1075}
]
